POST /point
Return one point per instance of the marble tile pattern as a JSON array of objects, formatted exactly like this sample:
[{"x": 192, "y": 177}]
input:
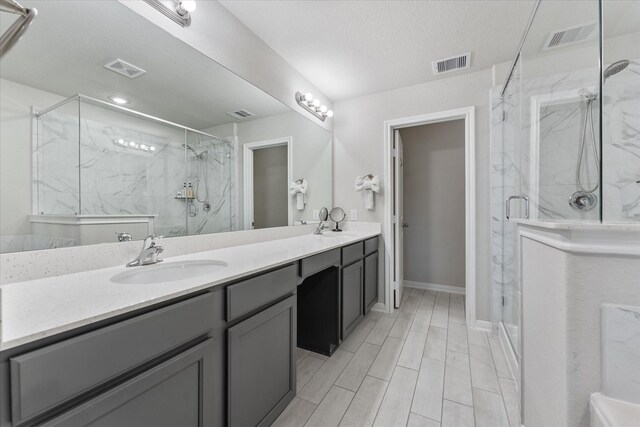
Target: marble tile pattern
[
  {"x": 620, "y": 348},
  {"x": 544, "y": 170},
  {"x": 414, "y": 389},
  {"x": 80, "y": 170}
]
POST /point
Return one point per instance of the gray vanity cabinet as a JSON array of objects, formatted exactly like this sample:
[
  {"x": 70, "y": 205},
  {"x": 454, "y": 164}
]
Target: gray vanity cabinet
[
  {"x": 370, "y": 281},
  {"x": 351, "y": 297},
  {"x": 177, "y": 392},
  {"x": 262, "y": 368}
]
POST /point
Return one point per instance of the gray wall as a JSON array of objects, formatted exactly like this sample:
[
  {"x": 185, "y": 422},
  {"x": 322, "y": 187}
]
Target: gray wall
[
  {"x": 270, "y": 187},
  {"x": 434, "y": 203}
]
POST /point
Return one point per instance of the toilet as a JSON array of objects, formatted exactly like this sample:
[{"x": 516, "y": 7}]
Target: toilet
[{"x": 618, "y": 404}]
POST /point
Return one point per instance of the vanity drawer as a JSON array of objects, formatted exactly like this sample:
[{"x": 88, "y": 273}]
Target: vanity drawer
[
  {"x": 371, "y": 245},
  {"x": 319, "y": 262},
  {"x": 45, "y": 378},
  {"x": 352, "y": 253},
  {"x": 253, "y": 293}
]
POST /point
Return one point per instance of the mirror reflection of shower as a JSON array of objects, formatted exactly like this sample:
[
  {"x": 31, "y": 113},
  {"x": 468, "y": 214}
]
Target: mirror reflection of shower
[
  {"x": 202, "y": 176},
  {"x": 584, "y": 199}
]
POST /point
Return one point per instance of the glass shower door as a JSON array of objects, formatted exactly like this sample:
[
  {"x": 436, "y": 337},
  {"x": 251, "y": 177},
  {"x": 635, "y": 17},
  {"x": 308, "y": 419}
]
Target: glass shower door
[{"x": 209, "y": 177}]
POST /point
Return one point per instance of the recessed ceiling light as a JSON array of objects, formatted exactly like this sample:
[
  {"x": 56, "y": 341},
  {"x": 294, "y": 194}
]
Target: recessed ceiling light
[{"x": 119, "y": 100}]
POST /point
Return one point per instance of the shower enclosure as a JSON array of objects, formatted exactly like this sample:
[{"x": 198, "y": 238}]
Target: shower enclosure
[
  {"x": 101, "y": 169},
  {"x": 565, "y": 135}
]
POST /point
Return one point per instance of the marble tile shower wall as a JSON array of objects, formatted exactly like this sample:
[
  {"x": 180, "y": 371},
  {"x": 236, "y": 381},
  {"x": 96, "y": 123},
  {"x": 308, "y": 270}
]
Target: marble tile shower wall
[
  {"x": 545, "y": 169},
  {"x": 109, "y": 179},
  {"x": 621, "y": 146}
]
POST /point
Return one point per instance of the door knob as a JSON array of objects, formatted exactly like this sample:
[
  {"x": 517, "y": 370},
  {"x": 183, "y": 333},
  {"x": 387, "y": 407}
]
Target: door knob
[{"x": 405, "y": 225}]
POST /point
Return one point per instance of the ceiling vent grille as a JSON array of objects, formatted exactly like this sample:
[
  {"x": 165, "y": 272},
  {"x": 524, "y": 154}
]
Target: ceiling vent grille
[
  {"x": 240, "y": 114},
  {"x": 571, "y": 35},
  {"x": 458, "y": 62},
  {"x": 124, "y": 68}
]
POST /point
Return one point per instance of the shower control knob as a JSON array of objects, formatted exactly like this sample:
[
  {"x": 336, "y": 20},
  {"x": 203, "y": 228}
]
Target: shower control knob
[{"x": 405, "y": 225}]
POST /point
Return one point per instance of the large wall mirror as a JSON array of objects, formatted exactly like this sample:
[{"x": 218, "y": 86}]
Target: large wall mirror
[{"x": 111, "y": 125}]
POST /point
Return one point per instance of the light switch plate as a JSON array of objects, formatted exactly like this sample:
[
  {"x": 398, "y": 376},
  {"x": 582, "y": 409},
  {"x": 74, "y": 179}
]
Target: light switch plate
[
  {"x": 354, "y": 214},
  {"x": 316, "y": 214}
]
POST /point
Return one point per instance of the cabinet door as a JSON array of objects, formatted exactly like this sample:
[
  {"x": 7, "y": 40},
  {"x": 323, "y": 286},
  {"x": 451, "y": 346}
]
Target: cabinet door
[
  {"x": 370, "y": 281},
  {"x": 261, "y": 358},
  {"x": 174, "y": 393},
  {"x": 351, "y": 297}
]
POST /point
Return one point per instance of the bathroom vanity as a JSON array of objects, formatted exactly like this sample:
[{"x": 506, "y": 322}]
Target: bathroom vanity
[{"x": 218, "y": 353}]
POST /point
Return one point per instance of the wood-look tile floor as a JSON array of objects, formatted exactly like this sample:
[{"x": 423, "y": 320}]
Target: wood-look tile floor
[{"x": 420, "y": 366}]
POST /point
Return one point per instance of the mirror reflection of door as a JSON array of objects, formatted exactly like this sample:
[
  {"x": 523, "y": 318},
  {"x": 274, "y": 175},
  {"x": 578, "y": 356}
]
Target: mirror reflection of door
[{"x": 270, "y": 195}]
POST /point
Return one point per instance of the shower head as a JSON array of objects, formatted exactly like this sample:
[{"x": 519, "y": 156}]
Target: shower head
[{"x": 615, "y": 68}]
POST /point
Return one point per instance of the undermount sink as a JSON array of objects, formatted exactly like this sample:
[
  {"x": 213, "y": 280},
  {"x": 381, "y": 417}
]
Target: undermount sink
[{"x": 167, "y": 272}]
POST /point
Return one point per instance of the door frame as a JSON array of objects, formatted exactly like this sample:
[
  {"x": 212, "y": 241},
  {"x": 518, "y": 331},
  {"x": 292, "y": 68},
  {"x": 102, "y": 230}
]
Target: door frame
[
  {"x": 247, "y": 174},
  {"x": 468, "y": 114}
]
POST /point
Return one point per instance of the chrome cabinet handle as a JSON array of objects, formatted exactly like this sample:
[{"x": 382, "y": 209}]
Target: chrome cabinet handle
[
  {"x": 405, "y": 225},
  {"x": 508, "y": 205}
]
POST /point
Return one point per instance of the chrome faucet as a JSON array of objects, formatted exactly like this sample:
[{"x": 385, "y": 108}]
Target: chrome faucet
[
  {"x": 124, "y": 237},
  {"x": 320, "y": 228},
  {"x": 149, "y": 253},
  {"x": 323, "y": 215}
]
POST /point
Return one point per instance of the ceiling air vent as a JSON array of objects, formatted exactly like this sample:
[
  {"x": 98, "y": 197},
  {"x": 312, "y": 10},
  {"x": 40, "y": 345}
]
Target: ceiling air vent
[
  {"x": 123, "y": 67},
  {"x": 571, "y": 35},
  {"x": 458, "y": 62},
  {"x": 240, "y": 114}
]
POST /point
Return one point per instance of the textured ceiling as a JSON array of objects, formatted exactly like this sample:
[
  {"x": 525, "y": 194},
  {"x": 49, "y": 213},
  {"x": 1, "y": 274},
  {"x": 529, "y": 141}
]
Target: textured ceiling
[
  {"x": 351, "y": 48},
  {"x": 64, "y": 51}
]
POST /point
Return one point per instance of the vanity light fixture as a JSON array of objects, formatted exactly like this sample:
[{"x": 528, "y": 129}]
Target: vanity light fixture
[
  {"x": 119, "y": 100},
  {"x": 134, "y": 145},
  {"x": 313, "y": 106},
  {"x": 179, "y": 11}
]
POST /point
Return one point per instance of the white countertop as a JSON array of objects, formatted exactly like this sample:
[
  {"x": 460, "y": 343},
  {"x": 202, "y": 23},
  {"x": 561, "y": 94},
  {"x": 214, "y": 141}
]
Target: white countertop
[
  {"x": 36, "y": 309},
  {"x": 577, "y": 225}
]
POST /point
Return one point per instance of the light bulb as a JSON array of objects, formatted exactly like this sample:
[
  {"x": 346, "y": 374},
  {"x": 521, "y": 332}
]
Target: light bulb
[
  {"x": 119, "y": 100},
  {"x": 188, "y": 5},
  {"x": 308, "y": 97},
  {"x": 132, "y": 144},
  {"x": 144, "y": 147},
  {"x": 121, "y": 141},
  {"x": 330, "y": 113},
  {"x": 316, "y": 102},
  {"x": 323, "y": 109},
  {"x": 152, "y": 148}
]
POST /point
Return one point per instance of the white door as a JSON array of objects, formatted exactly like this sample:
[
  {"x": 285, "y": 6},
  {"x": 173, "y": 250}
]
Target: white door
[{"x": 398, "y": 240}]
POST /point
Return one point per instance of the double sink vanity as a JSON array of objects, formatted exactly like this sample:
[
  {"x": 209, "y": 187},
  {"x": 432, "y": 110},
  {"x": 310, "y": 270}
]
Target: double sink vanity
[{"x": 206, "y": 339}]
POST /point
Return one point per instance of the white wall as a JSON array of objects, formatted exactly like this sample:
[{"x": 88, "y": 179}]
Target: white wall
[
  {"x": 358, "y": 149},
  {"x": 434, "y": 243},
  {"x": 311, "y": 156},
  {"x": 217, "y": 33}
]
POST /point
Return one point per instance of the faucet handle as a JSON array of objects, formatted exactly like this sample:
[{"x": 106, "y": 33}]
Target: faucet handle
[{"x": 152, "y": 240}]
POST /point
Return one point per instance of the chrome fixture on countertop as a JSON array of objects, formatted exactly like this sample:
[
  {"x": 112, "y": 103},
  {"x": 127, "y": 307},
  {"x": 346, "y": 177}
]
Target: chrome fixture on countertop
[
  {"x": 149, "y": 253},
  {"x": 124, "y": 237},
  {"x": 322, "y": 216}
]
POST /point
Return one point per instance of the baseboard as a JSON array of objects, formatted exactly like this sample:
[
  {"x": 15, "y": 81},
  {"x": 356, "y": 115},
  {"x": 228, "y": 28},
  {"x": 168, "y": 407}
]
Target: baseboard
[
  {"x": 509, "y": 354},
  {"x": 434, "y": 287},
  {"x": 483, "y": 325},
  {"x": 379, "y": 307}
]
